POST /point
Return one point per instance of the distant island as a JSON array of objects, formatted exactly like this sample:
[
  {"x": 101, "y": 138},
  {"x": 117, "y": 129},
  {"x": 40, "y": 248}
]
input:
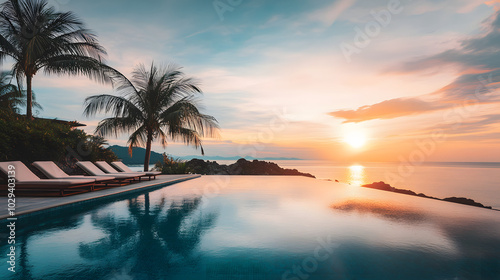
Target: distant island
[
  {"x": 139, "y": 153},
  {"x": 461, "y": 200}
]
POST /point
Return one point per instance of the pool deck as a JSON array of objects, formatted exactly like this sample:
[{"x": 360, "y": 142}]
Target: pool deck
[{"x": 27, "y": 205}]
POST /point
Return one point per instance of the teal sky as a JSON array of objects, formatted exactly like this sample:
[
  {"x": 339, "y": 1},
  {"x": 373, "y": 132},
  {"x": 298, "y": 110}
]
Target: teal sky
[{"x": 262, "y": 57}]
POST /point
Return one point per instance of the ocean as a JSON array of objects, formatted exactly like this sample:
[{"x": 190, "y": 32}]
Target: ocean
[{"x": 478, "y": 181}]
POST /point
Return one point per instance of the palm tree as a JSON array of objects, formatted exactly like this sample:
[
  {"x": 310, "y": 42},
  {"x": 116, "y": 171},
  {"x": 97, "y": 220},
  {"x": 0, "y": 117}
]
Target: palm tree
[
  {"x": 37, "y": 37},
  {"x": 159, "y": 103},
  {"x": 11, "y": 97}
]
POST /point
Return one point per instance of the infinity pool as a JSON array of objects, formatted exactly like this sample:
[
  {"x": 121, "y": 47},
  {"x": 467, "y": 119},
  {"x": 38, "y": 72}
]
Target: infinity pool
[{"x": 259, "y": 227}]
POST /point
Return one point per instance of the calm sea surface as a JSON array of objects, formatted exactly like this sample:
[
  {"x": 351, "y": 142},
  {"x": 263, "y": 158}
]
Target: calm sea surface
[{"x": 479, "y": 181}]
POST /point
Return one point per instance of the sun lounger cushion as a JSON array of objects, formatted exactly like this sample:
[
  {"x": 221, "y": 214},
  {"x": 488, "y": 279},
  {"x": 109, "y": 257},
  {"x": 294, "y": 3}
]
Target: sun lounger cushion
[
  {"x": 51, "y": 170},
  {"x": 90, "y": 168},
  {"x": 110, "y": 170},
  {"x": 24, "y": 176},
  {"x": 123, "y": 168}
]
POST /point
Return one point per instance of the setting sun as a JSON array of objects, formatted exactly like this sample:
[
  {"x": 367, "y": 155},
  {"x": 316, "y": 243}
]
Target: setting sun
[{"x": 356, "y": 140}]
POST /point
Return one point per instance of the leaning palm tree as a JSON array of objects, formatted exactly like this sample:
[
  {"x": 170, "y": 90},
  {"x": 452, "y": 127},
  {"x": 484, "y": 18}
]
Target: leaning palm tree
[
  {"x": 37, "y": 37},
  {"x": 159, "y": 103}
]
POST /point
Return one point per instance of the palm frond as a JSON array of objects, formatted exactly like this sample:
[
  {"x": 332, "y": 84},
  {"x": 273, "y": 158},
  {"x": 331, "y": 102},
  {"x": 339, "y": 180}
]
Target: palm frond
[
  {"x": 187, "y": 136},
  {"x": 137, "y": 139},
  {"x": 185, "y": 113},
  {"x": 11, "y": 97},
  {"x": 115, "y": 126},
  {"x": 119, "y": 106},
  {"x": 77, "y": 65}
]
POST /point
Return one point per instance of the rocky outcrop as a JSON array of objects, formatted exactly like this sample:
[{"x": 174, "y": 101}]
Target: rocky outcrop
[
  {"x": 202, "y": 167},
  {"x": 467, "y": 201},
  {"x": 242, "y": 167},
  {"x": 461, "y": 200}
]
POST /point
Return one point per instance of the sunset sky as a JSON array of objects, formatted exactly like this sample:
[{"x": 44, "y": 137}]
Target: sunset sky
[{"x": 413, "y": 80}]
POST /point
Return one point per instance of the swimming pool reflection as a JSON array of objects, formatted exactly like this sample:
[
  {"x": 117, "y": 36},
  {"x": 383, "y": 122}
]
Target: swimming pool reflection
[{"x": 162, "y": 236}]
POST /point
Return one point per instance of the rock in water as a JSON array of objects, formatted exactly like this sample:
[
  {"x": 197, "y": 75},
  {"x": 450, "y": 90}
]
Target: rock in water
[
  {"x": 242, "y": 167},
  {"x": 386, "y": 187},
  {"x": 467, "y": 201}
]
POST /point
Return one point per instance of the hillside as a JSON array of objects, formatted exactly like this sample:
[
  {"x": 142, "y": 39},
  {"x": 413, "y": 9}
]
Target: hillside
[{"x": 138, "y": 155}]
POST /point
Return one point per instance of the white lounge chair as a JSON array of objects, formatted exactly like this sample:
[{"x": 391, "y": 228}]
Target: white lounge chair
[
  {"x": 52, "y": 171},
  {"x": 120, "y": 166},
  {"x": 28, "y": 181},
  {"x": 111, "y": 171},
  {"x": 93, "y": 170}
]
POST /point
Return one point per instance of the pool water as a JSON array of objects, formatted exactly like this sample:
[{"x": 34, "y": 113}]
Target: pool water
[{"x": 259, "y": 227}]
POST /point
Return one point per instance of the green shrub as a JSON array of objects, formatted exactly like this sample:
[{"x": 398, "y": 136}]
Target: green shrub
[
  {"x": 172, "y": 165},
  {"x": 33, "y": 140}
]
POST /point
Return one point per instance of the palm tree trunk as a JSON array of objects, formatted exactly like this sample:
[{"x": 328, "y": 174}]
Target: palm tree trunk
[
  {"x": 148, "y": 151},
  {"x": 146, "y": 204},
  {"x": 29, "y": 94}
]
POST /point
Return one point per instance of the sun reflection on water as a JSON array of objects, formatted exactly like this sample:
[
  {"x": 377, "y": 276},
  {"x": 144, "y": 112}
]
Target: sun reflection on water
[{"x": 356, "y": 175}]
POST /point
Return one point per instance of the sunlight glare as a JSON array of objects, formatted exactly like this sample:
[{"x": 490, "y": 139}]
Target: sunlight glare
[
  {"x": 357, "y": 175},
  {"x": 355, "y": 139}
]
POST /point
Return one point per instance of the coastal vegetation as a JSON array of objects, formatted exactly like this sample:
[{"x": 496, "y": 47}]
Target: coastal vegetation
[
  {"x": 41, "y": 139},
  {"x": 159, "y": 103},
  {"x": 171, "y": 165}
]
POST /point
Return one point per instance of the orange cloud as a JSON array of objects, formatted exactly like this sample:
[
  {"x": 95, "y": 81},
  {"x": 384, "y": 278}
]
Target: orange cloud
[
  {"x": 493, "y": 3},
  {"x": 387, "y": 109}
]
